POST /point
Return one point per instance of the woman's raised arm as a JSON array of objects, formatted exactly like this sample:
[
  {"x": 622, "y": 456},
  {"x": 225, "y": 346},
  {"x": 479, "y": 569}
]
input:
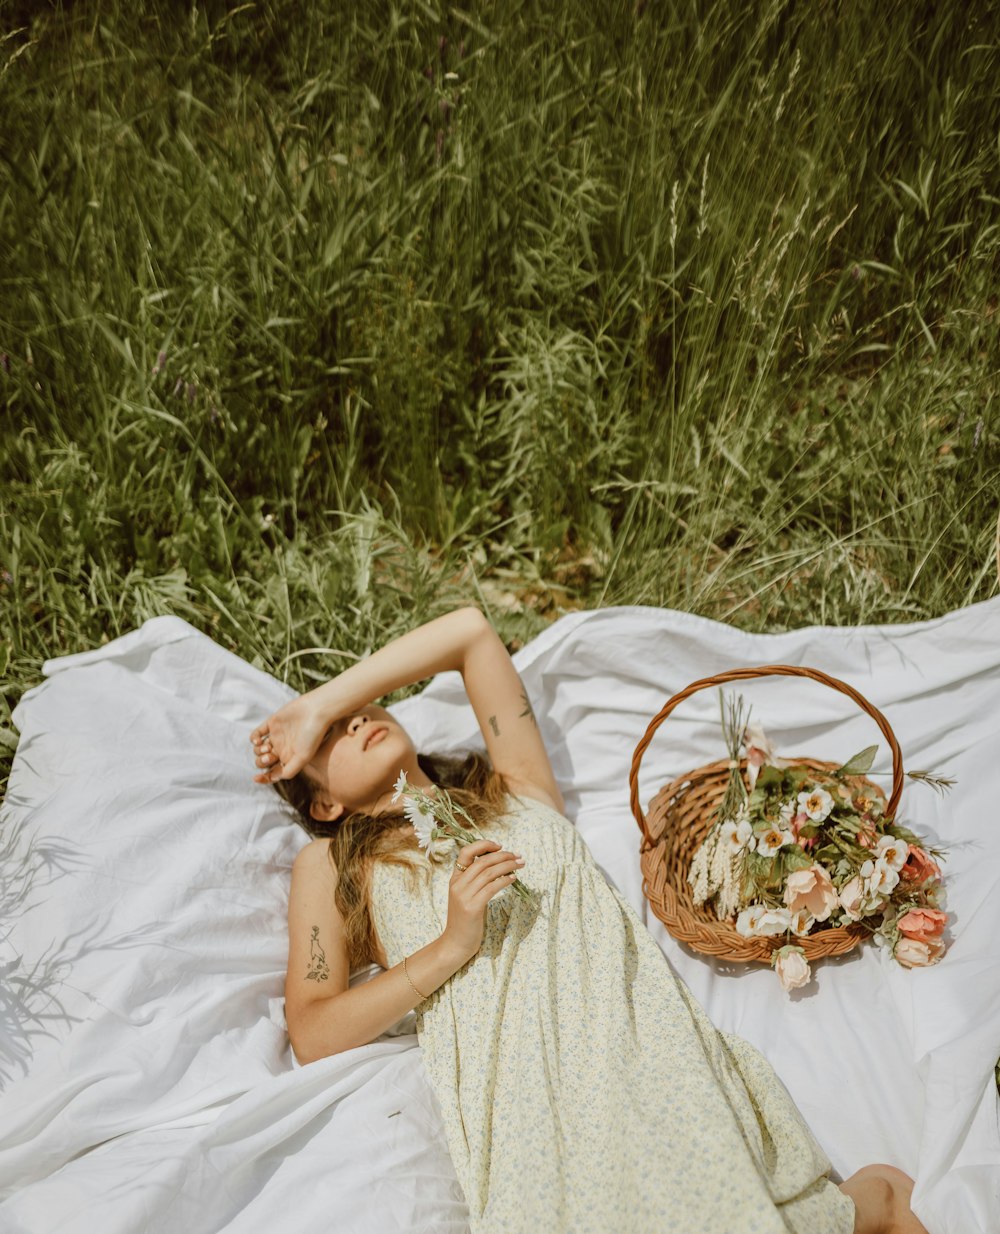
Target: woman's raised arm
[{"x": 462, "y": 640}]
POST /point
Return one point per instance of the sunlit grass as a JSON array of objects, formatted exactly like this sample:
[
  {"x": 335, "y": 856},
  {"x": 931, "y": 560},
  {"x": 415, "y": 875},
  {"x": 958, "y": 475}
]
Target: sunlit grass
[{"x": 318, "y": 319}]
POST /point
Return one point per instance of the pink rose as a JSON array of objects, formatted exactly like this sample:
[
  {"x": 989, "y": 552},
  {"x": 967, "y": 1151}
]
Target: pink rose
[
  {"x": 923, "y": 924},
  {"x": 919, "y": 865},
  {"x": 912, "y": 953},
  {"x": 792, "y": 968},
  {"x": 852, "y": 898},
  {"x": 813, "y": 890}
]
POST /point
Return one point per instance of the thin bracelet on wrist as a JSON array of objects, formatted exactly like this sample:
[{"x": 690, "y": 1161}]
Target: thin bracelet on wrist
[{"x": 407, "y": 976}]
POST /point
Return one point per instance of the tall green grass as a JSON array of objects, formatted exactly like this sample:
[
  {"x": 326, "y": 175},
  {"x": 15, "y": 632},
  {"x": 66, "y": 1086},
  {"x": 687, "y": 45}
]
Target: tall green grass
[{"x": 319, "y": 319}]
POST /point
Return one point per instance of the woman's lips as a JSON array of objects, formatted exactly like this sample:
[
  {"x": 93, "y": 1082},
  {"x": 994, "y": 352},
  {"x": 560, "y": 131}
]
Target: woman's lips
[{"x": 377, "y": 736}]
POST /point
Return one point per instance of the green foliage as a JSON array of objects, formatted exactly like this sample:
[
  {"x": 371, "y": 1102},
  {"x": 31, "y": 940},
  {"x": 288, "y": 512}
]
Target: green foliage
[
  {"x": 858, "y": 764},
  {"x": 318, "y": 319}
]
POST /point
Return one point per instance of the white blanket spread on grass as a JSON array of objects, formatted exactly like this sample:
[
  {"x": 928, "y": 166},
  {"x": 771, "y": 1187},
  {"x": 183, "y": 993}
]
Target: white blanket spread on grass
[{"x": 147, "y": 1080}]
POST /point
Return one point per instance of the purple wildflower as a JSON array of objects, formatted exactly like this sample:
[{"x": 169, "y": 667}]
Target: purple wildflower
[
  {"x": 6, "y": 577},
  {"x": 161, "y": 359},
  {"x": 977, "y": 434}
]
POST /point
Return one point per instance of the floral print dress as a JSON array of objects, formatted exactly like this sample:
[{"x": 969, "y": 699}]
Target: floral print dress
[{"x": 583, "y": 1088}]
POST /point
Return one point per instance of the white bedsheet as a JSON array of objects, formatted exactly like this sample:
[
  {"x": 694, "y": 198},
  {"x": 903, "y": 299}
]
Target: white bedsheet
[{"x": 148, "y": 1084}]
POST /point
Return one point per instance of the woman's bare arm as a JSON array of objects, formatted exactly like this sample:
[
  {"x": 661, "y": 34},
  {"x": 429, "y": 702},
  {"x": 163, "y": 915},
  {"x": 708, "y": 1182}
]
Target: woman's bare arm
[
  {"x": 323, "y": 1014},
  {"x": 462, "y": 641}
]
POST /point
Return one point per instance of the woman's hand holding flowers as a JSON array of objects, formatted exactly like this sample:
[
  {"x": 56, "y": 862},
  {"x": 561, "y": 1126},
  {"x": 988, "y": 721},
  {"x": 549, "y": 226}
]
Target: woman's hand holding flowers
[{"x": 489, "y": 869}]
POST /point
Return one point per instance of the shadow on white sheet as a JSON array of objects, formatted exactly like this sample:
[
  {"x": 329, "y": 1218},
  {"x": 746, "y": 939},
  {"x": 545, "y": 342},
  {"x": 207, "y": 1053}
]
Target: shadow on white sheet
[{"x": 148, "y": 1078}]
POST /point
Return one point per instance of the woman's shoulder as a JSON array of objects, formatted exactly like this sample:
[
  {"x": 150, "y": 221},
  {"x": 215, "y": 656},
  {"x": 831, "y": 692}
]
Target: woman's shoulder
[{"x": 314, "y": 858}]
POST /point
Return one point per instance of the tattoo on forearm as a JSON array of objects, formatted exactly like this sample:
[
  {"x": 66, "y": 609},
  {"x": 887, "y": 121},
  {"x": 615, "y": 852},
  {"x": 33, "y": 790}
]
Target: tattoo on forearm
[
  {"x": 528, "y": 711},
  {"x": 494, "y": 726},
  {"x": 319, "y": 970}
]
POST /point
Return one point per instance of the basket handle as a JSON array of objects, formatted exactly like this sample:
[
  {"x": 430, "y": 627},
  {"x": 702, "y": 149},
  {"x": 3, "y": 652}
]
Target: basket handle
[{"x": 743, "y": 674}]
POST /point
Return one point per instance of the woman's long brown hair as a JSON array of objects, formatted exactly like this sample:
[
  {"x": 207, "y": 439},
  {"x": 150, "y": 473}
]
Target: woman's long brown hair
[{"x": 357, "y": 840}]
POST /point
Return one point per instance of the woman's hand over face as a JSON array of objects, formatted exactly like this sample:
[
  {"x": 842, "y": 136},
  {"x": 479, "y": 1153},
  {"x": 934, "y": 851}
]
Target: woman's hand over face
[
  {"x": 488, "y": 870},
  {"x": 288, "y": 739}
]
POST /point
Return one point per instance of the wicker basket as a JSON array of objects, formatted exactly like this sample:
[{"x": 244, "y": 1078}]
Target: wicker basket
[{"x": 680, "y": 816}]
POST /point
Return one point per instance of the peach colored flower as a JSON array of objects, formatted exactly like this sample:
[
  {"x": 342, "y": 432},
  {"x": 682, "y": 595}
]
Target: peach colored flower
[
  {"x": 792, "y": 967},
  {"x": 813, "y": 890},
  {"x": 919, "y": 865},
  {"x": 923, "y": 924},
  {"x": 912, "y": 953}
]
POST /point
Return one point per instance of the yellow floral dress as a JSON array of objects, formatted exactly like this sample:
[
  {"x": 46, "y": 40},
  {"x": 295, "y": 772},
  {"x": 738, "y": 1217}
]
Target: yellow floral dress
[{"x": 582, "y": 1087}]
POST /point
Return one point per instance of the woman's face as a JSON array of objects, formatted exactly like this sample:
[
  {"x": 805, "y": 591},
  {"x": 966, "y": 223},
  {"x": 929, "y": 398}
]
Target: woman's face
[{"x": 359, "y": 761}]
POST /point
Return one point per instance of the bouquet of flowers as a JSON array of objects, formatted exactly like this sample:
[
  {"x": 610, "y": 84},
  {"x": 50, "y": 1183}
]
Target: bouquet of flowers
[
  {"x": 796, "y": 851},
  {"x": 441, "y": 824}
]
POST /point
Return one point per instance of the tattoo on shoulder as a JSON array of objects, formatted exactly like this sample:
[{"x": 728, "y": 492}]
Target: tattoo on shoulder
[
  {"x": 494, "y": 726},
  {"x": 528, "y": 710},
  {"x": 319, "y": 970}
]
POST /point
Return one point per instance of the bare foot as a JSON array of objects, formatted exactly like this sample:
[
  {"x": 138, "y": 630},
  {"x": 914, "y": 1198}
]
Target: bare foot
[{"x": 881, "y": 1195}]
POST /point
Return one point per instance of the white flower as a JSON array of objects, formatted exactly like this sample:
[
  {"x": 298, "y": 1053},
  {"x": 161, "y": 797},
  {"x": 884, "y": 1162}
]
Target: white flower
[
  {"x": 399, "y": 786},
  {"x": 735, "y": 836},
  {"x": 894, "y": 852},
  {"x": 787, "y": 812},
  {"x": 802, "y": 922},
  {"x": 748, "y": 920},
  {"x": 881, "y": 879},
  {"x": 422, "y": 819},
  {"x": 768, "y": 842},
  {"x": 774, "y": 921},
  {"x": 817, "y": 804}
]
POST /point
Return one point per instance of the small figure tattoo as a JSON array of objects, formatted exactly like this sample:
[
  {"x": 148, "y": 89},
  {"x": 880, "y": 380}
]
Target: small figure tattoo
[
  {"x": 494, "y": 726},
  {"x": 319, "y": 970},
  {"x": 528, "y": 710}
]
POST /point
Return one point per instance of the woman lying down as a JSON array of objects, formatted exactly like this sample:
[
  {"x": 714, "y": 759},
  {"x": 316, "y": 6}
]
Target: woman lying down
[{"x": 583, "y": 1088}]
